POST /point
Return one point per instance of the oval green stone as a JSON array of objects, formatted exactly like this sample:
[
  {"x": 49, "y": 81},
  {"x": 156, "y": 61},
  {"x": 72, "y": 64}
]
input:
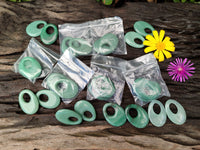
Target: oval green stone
[
  {"x": 147, "y": 90},
  {"x": 64, "y": 115},
  {"x": 130, "y": 39},
  {"x": 140, "y": 27},
  {"x": 65, "y": 43},
  {"x": 82, "y": 106},
  {"x": 53, "y": 99},
  {"x": 33, "y": 30},
  {"x": 178, "y": 118},
  {"x": 30, "y": 107},
  {"x": 80, "y": 46},
  {"x": 29, "y": 67},
  {"x": 118, "y": 119},
  {"x": 101, "y": 87},
  {"x": 63, "y": 86},
  {"x": 107, "y": 2},
  {"x": 141, "y": 120},
  {"x": 49, "y": 38},
  {"x": 157, "y": 120},
  {"x": 106, "y": 44}
]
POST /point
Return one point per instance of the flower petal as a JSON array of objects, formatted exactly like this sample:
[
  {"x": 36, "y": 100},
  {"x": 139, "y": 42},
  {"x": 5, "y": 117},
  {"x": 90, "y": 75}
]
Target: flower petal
[
  {"x": 149, "y": 49},
  {"x": 150, "y": 38},
  {"x": 161, "y": 56},
  {"x": 155, "y": 34},
  {"x": 167, "y": 39},
  {"x": 169, "y": 48},
  {"x": 148, "y": 43},
  {"x": 167, "y": 54},
  {"x": 162, "y": 34},
  {"x": 156, "y": 54}
]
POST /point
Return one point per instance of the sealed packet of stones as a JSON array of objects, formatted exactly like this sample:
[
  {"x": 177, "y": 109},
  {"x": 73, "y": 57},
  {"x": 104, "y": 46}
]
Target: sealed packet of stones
[
  {"x": 36, "y": 61},
  {"x": 68, "y": 77},
  {"x": 103, "y": 36},
  {"x": 108, "y": 82},
  {"x": 144, "y": 79}
]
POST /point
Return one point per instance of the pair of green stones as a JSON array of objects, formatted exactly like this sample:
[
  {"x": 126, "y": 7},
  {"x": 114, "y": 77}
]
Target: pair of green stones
[
  {"x": 101, "y": 88},
  {"x": 120, "y": 116},
  {"x": 140, "y": 33},
  {"x": 34, "y": 30},
  {"x": 81, "y": 107},
  {"x": 159, "y": 119},
  {"x": 32, "y": 106},
  {"x": 104, "y": 45},
  {"x": 63, "y": 86},
  {"x": 146, "y": 90}
]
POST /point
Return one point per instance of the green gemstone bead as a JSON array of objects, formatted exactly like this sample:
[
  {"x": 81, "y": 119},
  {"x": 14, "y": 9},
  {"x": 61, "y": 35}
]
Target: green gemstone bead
[
  {"x": 101, "y": 87},
  {"x": 63, "y": 86},
  {"x": 53, "y": 99},
  {"x": 107, "y": 2},
  {"x": 141, "y": 120},
  {"x": 65, "y": 43},
  {"x": 80, "y": 46},
  {"x": 33, "y": 30},
  {"x": 140, "y": 27},
  {"x": 30, "y": 107},
  {"x": 130, "y": 39},
  {"x": 49, "y": 38},
  {"x": 157, "y": 120},
  {"x": 178, "y": 118},
  {"x": 82, "y": 106},
  {"x": 64, "y": 115},
  {"x": 106, "y": 44},
  {"x": 146, "y": 90},
  {"x": 119, "y": 117},
  {"x": 29, "y": 67}
]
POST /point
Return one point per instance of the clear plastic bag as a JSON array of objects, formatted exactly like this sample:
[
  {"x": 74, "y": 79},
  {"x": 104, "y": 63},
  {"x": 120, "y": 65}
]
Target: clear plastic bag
[
  {"x": 108, "y": 81},
  {"x": 144, "y": 79},
  {"x": 68, "y": 77},
  {"x": 42, "y": 56},
  {"x": 89, "y": 33}
]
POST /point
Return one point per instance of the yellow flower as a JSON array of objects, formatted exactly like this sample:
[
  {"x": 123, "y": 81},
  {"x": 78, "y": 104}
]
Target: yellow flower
[{"x": 160, "y": 46}]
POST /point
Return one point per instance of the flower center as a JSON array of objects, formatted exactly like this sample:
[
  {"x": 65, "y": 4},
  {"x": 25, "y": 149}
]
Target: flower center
[
  {"x": 160, "y": 46},
  {"x": 180, "y": 69}
]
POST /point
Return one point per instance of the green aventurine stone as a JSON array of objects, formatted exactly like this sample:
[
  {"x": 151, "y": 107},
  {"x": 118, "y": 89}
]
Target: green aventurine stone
[
  {"x": 83, "y": 106},
  {"x": 33, "y": 29},
  {"x": 30, "y": 107},
  {"x": 157, "y": 120},
  {"x": 119, "y": 117},
  {"x": 65, "y": 43},
  {"x": 130, "y": 39},
  {"x": 178, "y": 118},
  {"x": 47, "y": 38},
  {"x": 141, "y": 120},
  {"x": 65, "y": 115},
  {"x": 147, "y": 90},
  {"x": 140, "y": 27},
  {"x": 106, "y": 44},
  {"x": 101, "y": 87},
  {"x": 53, "y": 99},
  {"x": 80, "y": 46},
  {"x": 63, "y": 86},
  {"x": 29, "y": 67}
]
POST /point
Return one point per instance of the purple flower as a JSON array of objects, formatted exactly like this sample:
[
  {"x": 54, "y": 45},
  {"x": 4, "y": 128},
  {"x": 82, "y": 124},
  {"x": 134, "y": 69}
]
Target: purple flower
[{"x": 180, "y": 69}]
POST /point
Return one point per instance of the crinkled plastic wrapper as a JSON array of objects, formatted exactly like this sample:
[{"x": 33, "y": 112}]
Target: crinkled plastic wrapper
[
  {"x": 144, "y": 79},
  {"x": 68, "y": 77},
  {"x": 44, "y": 56},
  {"x": 87, "y": 37},
  {"x": 108, "y": 82}
]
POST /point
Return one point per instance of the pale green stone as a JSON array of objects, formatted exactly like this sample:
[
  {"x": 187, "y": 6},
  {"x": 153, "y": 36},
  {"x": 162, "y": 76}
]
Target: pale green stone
[
  {"x": 130, "y": 39},
  {"x": 33, "y": 30},
  {"x": 30, "y": 107},
  {"x": 178, "y": 118},
  {"x": 157, "y": 120},
  {"x": 140, "y": 27},
  {"x": 53, "y": 99}
]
